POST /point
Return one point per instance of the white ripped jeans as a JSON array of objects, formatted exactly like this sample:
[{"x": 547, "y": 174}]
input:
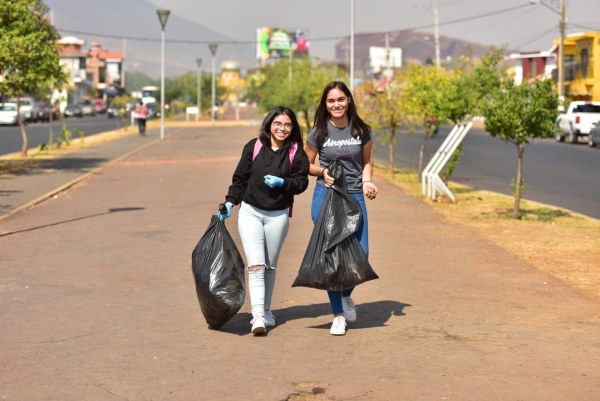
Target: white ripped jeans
[{"x": 262, "y": 233}]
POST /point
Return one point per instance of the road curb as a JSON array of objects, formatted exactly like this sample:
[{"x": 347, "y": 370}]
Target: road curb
[{"x": 69, "y": 184}]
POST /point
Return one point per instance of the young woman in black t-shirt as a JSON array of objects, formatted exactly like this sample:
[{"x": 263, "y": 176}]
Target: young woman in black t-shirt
[{"x": 264, "y": 184}]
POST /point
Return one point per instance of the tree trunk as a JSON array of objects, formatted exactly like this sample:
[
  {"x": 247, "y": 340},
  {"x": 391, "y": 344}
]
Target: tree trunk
[
  {"x": 422, "y": 153},
  {"x": 521, "y": 149},
  {"x": 391, "y": 145},
  {"x": 22, "y": 126},
  {"x": 306, "y": 118},
  {"x": 51, "y": 133}
]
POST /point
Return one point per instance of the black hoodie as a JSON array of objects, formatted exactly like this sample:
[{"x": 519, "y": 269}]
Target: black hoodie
[{"x": 248, "y": 183}]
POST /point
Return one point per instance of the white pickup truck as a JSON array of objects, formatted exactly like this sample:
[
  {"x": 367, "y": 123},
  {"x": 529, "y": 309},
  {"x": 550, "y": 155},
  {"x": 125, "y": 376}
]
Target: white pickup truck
[{"x": 577, "y": 120}]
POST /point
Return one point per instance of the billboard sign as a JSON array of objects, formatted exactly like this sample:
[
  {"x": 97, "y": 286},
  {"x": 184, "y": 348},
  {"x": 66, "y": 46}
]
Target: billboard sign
[
  {"x": 276, "y": 43},
  {"x": 379, "y": 59}
]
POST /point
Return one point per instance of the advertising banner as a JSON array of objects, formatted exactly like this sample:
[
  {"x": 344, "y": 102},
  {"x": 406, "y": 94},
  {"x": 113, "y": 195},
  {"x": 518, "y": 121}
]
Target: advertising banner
[
  {"x": 276, "y": 43},
  {"x": 382, "y": 58}
]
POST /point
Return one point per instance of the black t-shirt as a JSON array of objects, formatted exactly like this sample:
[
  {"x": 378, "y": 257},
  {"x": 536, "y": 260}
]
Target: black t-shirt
[{"x": 248, "y": 183}]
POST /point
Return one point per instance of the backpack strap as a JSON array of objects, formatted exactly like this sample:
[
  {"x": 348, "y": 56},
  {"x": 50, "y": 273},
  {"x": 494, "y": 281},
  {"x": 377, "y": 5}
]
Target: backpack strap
[
  {"x": 292, "y": 153},
  {"x": 257, "y": 147}
]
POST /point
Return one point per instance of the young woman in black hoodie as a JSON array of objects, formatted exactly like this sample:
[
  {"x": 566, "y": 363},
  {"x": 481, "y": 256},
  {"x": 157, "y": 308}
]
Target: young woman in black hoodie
[{"x": 273, "y": 168}]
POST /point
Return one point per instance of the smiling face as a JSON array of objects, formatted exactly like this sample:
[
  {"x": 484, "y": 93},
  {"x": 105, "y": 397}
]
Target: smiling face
[
  {"x": 337, "y": 104},
  {"x": 281, "y": 129}
]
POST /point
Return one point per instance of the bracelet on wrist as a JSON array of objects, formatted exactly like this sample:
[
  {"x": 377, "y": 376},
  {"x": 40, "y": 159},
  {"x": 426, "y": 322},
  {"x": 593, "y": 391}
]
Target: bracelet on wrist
[
  {"x": 323, "y": 172},
  {"x": 367, "y": 181}
]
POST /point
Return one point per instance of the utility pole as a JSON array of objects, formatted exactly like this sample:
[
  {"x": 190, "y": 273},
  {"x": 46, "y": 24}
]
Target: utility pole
[
  {"x": 123, "y": 63},
  {"x": 290, "y": 71},
  {"x": 387, "y": 56},
  {"x": 561, "y": 51},
  {"x": 213, "y": 51},
  {"x": 436, "y": 24},
  {"x": 199, "y": 95},
  {"x": 561, "y": 48},
  {"x": 436, "y": 21},
  {"x": 351, "y": 45}
]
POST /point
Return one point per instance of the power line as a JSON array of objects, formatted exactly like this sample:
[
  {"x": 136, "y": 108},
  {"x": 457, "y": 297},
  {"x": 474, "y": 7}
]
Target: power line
[
  {"x": 582, "y": 26},
  {"x": 537, "y": 36},
  {"x": 236, "y": 42},
  {"x": 456, "y": 21}
]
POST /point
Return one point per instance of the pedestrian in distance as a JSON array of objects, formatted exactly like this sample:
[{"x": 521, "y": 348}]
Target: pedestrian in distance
[
  {"x": 272, "y": 169},
  {"x": 339, "y": 133},
  {"x": 141, "y": 114}
]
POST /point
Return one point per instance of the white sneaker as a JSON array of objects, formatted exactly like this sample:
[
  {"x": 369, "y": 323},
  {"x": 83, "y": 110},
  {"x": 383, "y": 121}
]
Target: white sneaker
[
  {"x": 258, "y": 325},
  {"x": 269, "y": 318},
  {"x": 349, "y": 309},
  {"x": 338, "y": 327}
]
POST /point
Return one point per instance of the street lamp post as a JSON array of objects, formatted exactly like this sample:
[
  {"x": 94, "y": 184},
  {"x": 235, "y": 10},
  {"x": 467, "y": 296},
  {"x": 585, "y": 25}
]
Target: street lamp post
[
  {"x": 213, "y": 50},
  {"x": 199, "y": 63},
  {"x": 163, "y": 15}
]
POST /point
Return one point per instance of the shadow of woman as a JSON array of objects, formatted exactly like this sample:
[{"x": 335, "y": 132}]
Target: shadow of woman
[{"x": 370, "y": 314}]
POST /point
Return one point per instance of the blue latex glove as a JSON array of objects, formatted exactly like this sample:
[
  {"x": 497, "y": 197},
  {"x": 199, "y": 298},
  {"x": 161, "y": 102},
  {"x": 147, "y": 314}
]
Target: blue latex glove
[
  {"x": 273, "y": 181},
  {"x": 222, "y": 216}
]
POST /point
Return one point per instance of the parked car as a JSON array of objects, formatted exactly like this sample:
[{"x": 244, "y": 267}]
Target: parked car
[
  {"x": 87, "y": 108},
  {"x": 99, "y": 106},
  {"x": 26, "y": 105},
  {"x": 153, "y": 110},
  {"x": 112, "y": 111},
  {"x": 594, "y": 138},
  {"x": 577, "y": 120},
  {"x": 8, "y": 114},
  {"x": 73, "y": 110},
  {"x": 41, "y": 112}
]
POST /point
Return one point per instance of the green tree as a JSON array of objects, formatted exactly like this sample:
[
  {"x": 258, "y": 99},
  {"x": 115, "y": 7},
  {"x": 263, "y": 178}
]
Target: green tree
[
  {"x": 185, "y": 88},
  {"x": 122, "y": 103},
  {"x": 519, "y": 114},
  {"x": 136, "y": 80},
  {"x": 28, "y": 52},
  {"x": 301, "y": 93},
  {"x": 385, "y": 109},
  {"x": 459, "y": 106},
  {"x": 426, "y": 92}
]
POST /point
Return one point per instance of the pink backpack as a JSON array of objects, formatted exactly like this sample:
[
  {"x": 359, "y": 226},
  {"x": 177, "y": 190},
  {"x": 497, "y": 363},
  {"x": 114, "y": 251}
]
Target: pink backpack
[{"x": 258, "y": 146}]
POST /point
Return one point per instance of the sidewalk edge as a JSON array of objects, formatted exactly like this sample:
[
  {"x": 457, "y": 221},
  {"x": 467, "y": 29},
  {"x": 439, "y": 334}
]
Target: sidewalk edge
[{"x": 69, "y": 184}]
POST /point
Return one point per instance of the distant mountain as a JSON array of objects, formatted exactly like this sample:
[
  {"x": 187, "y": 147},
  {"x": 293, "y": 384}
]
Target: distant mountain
[
  {"x": 417, "y": 47},
  {"x": 137, "y": 18}
]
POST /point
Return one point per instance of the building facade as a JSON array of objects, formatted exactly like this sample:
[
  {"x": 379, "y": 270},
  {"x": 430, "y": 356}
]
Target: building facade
[
  {"x": 534, "y": 65},
  {"x": 582, "y": 66},
  {"x": 73, "y": 60},
  {"x": 90, "y": 72}
]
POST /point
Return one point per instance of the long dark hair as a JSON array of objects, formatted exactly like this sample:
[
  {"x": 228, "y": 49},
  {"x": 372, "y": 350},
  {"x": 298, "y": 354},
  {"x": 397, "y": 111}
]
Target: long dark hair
[
  {"x": 265, "y": 130},
  {"x": 358, "y": 128}
]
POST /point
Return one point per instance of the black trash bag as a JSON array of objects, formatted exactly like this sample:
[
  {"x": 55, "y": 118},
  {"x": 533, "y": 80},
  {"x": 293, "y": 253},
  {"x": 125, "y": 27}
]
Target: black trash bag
[
  {"x": 334, "y": 259},
  {"x": 218, "y": 271}
]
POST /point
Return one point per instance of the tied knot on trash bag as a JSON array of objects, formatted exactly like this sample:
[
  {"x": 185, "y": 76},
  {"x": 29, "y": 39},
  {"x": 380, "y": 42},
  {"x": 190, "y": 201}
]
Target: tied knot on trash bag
[
  {"x": 218, "y": 271},
  {"x": 334, "y": 259}
]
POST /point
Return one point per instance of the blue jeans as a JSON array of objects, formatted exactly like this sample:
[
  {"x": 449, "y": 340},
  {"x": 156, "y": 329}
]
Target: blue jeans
[{"x": 335, "y": 297}]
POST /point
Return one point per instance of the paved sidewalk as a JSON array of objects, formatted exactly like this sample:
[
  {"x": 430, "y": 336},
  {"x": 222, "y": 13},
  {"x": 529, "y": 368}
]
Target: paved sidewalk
[
  {"x": 33, "y": 185},
  {"x": 97, "y": 301}
]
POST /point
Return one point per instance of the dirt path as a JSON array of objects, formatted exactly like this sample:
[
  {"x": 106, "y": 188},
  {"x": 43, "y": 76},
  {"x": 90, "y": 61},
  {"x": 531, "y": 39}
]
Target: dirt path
[{"x": 97, "y": 301}]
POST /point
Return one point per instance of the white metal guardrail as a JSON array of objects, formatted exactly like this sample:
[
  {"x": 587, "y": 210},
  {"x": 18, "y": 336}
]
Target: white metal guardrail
[{"x": 431, "y": 183}]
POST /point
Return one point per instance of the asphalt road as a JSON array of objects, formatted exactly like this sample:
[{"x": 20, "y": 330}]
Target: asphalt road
[
  {"x": 558, "y": 174},
  {"x": 38, "y": 133}
]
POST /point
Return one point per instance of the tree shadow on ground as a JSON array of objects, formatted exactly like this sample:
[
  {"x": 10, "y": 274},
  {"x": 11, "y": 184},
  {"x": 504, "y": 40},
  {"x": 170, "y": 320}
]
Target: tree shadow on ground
[
  {"x": 114, "y": 210},
  {"x": 370, "y": 314},
  {"x": 32, "y": 167}
]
